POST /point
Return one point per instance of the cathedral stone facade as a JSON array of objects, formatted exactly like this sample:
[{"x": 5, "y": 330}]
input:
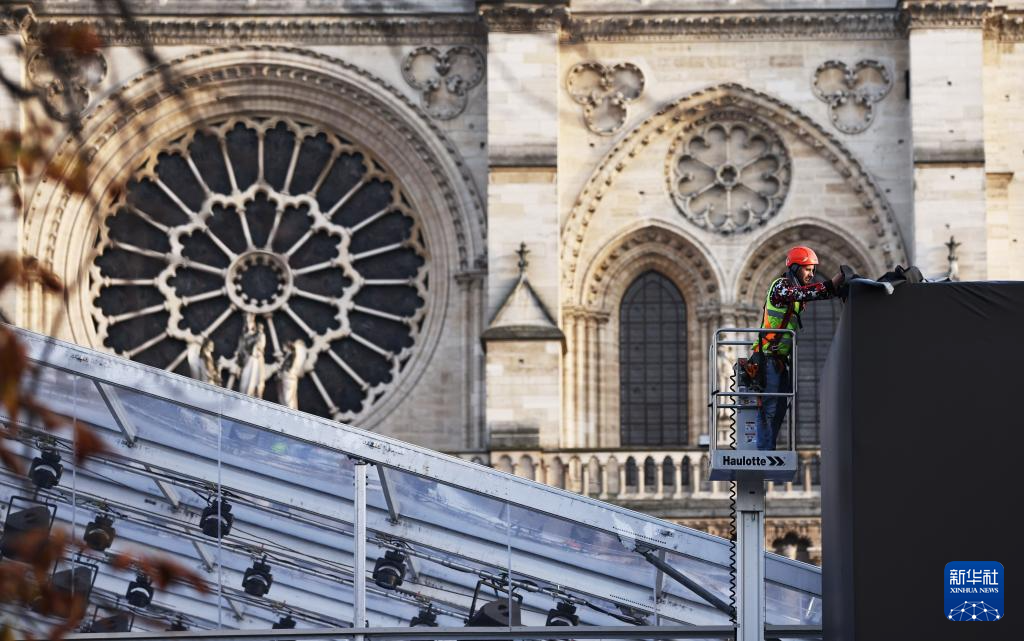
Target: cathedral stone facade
[{"x": 508, "y": 230}]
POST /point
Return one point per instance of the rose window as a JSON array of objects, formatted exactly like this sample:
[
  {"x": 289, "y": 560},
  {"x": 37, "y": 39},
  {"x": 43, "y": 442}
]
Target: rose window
[
  {"x": 272, "y": 242},
  {"x": 728, "y": 173}
]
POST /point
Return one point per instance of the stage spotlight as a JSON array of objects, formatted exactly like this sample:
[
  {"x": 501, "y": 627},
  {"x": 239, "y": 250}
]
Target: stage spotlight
[
  {"x": 14, "y": 543},
  {"x": 46, "y": 469},
  {"x": 425, "y": 619},
  {"x": 119, "y": 622},
  {"x": 257, "y": 579},
  {"x": 284, "y": 623},
  {"x": 495, "y": 614},
  {"x": 77, "y": 579},
  {"x": 389, "y": 570},
  {"x": 140, "y": 591},
  {"x": 216, "y": 519},
  {"x": 564, "y": 613},
  {"x": 100, "y": 532}
]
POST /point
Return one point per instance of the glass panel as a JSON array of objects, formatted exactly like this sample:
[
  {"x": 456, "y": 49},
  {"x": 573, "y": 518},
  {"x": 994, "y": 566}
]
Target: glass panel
[
  {"x": 581, "y": 567},
  {"x": 788, "y": 606},
  {"x": 458, "y": 538},
  {"x": 291, "y": 504},
  {"x": 714, "y": 578}
]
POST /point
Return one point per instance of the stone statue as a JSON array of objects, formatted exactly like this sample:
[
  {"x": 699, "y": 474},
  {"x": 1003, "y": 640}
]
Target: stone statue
[
  {"x": 202, "y": 365},
  {"x": 250, "y": 355},
  {"x": 954, "y": 262},
  {"x": 288, "y": 375}
]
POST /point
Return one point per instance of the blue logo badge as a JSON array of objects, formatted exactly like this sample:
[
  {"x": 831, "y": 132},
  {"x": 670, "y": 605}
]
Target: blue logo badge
[{"x": 974, "y": 591}]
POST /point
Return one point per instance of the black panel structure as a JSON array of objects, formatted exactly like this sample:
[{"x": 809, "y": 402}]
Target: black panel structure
[{"x": 920, "y": 409}]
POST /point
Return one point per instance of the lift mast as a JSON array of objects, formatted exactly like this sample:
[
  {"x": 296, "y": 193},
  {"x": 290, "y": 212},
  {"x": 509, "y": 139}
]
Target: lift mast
[{"x": 736, "y": 458}]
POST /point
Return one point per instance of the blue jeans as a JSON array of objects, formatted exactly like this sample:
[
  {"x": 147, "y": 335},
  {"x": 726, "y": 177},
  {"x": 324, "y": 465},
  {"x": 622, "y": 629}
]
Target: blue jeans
[{"x": 773, "y": 409}]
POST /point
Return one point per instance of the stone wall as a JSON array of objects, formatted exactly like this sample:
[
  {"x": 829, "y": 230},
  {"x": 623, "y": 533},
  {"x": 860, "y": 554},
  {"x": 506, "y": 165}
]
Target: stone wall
[{"x": 563, "y": 126}]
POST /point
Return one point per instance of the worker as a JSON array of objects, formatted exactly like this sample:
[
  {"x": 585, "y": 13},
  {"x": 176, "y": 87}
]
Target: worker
[{"x": 770, "y": 361}]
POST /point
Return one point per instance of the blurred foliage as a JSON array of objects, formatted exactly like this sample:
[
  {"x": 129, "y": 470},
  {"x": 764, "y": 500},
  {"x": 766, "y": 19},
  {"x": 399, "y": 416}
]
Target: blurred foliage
[{"x": 26, "y": 579}]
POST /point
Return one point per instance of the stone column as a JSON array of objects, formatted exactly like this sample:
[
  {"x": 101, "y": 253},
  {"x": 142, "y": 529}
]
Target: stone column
[
  {"x": 947, "y": 109},
  {"x": 12, "y": 67},
  {"x": 522, "y": 143},
  {"x": 806, "y": 458},
  {"x": 604, "y": 481},
  {"x": 679, "y": 479},
  {"x": 569, "y": 385},
  {"x": 590, "y": 424},
  {"x": 471, "y": 285}
]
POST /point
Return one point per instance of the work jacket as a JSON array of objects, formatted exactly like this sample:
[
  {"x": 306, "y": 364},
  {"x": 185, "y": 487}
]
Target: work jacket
[{"x": 778, "y": 344}]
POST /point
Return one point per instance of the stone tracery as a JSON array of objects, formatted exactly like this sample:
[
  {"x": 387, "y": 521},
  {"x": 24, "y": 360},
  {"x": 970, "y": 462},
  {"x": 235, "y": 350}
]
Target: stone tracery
[
  {"x": 728, "y": 172},
  {"x": 282, "y": 227}
]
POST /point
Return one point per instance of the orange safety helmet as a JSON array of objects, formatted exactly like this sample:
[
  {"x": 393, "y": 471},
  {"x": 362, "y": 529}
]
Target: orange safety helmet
[{"x": 801, "y": 255}]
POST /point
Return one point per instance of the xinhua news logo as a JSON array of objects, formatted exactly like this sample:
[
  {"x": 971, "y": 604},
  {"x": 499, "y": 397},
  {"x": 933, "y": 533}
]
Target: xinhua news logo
[{"x": 974, "y": 591}]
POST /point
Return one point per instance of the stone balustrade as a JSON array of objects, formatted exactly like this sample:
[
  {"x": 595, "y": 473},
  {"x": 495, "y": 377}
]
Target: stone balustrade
[{"x": 636, "y": 474}]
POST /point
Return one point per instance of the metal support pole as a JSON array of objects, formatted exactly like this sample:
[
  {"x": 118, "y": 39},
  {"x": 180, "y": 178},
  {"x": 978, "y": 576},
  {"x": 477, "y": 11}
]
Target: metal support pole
[
  {"x": 359, "y": 549},
  {"x": 750, "y": 558}
]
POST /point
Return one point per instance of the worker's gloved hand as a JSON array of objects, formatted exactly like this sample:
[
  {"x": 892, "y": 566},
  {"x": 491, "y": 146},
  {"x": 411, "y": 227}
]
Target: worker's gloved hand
[
  {"x": 843, "y": 277},
  {"x": 838, "y": 281}
]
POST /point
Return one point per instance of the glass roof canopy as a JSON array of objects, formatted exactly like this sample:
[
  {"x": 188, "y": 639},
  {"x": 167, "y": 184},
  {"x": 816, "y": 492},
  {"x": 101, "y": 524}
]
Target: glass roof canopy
[{"x": 175, "y": 444}]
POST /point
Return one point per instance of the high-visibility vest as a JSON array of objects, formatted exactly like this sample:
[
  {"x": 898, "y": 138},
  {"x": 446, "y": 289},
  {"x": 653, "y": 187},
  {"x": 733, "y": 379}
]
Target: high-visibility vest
[{"x": 777, "y": 344}]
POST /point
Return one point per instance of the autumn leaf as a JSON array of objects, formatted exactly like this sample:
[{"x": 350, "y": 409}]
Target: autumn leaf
[
  {"x": 86, "y": 443},
  {"x": 10, "y": 461},
  {"x": 12, "y": 365},
  {"x": 76, "y": 39},
  {"x": 75, "y": 179}
]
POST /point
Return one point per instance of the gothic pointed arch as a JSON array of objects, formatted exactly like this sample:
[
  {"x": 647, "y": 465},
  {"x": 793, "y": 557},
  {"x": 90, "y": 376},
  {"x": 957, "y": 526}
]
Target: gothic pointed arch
[
  {"x": 765, "y": 263},
  {"x": 200, "y": 165},
  {"x": 594, "y": 328},
  {"x": 820, "y": 164}
]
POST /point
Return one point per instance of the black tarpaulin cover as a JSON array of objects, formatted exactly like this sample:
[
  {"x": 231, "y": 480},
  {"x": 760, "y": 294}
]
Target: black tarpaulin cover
[{"x": 922, "y": 414}]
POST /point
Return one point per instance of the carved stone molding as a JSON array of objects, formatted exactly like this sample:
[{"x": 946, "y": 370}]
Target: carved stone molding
[
  {"x": 1006, "y": 27},
  {"x": 16, "y": 18},
  {"x": 605, "y": 93},
  {"x": 578, "y": 312},
  {"x": 637, "y": 250},
  {"x": 513, "y": 18},
  {"x": 885, "y": 243},
  {"x": 67, "y": 81},
  {"x": 851, "y": 92},
  {"x": 274, "y": 242},
  {"x": 946, "y": 14},
  {"x": 767, "y": 260},
  {"x": 728, "y": 172},
  {"x": 412, "y": 30},
  {"x": 317, "y": 91},
  {"x": 761, "y": 26},
  {"x": 444, "y": 79}
]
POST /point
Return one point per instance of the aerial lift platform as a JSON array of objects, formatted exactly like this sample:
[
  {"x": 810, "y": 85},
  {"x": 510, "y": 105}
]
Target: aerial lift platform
[{"x": 738, "y": 400}]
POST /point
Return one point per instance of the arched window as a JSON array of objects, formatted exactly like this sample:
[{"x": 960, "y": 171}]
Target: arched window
[
  {"x": 652, "y": 356},
  {"x": 631, "y": 473},
  {"x": 819, "y": 320},
  {"x": 685, "y": 473},
  {"x": 668, "y": 473},
  {"x": 650, "y": 475}
]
